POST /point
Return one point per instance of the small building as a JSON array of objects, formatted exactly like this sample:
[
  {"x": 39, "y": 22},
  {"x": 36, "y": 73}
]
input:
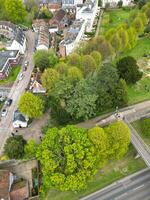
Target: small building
[
  {"x": 19, "y": 120},
  {"x": 72, "y": 38},
  {"x": 8, "y": 59},
  {"x": 37, "y": 88},
  {"x": 71, "y": 3}
]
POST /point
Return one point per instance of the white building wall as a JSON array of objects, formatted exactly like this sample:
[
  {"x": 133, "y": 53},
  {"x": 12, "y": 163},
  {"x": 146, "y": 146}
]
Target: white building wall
[
  {"x": 17, "y": 46},
  {"x": 71, "y": 46},
  {"x": 18, "y": 124},
  {"x": 89, "y": 17},
  {"x": 42, "y": 47}
]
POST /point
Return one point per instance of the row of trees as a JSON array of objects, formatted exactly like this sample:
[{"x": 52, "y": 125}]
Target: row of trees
[
  {"x": 119, "y": 39},
  {"x": 71, "y": 156}
]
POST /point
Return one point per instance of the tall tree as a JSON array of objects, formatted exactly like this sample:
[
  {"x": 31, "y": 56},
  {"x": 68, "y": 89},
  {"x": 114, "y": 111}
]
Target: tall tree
[
  {"x": 138, "y": 25},
  {"x": 67, "y": 158},
  {"x": 75, "y": 74},
  {"x": 88, "y": 65},
  {"x": 129, "y": 70},
  {"x": 99, "y": 139},
  {"x": 14, "y": 147},
  {"x": 74, "y": 60},
  {"x": 97, "y": 57},
  {"x": 15, "y": 10},
  {"x": 118, "y": 135},
  {"x": 31, "y": 105},
  {"x": 49, "y": 78}
]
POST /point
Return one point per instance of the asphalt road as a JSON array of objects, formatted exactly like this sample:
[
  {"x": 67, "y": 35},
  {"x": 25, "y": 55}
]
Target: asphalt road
[
  {"x": 17, "y": 90},
  {"x": 134, "y": 187}
]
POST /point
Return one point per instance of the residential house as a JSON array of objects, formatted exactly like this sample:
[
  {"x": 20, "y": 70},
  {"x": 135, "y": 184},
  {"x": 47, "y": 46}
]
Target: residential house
[
  {"x": 15, "y": 35},
  {"x": 8, "y": 59},
  {"x": 72, "y": 37},
  {"x": 19, "y": 120},
  {"x": 51, "y": 5},
  {"x": 37, "y": 88},
  {"x": 58, "y": 22}
]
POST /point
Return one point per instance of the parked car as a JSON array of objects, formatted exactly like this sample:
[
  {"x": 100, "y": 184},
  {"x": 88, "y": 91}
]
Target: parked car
[
  {"x": 8, "y": 102},
  {"x": 4, "y": 112},
  {"x": 26, "y": 63},
  {"x": 20, "y": 77}
]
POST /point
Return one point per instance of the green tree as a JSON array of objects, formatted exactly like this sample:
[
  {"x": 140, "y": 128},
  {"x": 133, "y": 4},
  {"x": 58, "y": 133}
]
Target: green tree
[
  {"x": 44, "y": 59},
  {"x": 67, "y": 158},
  {"x": 124, "y": 39},
  {"x": 99, "y": 139},
  {"x": 14, "y": 147},
  {"x": 82, "y": 104},
  {"x": 138, "y": 25},
  {"x": 61, "y": 68},
  {"x": 97, "y": 57},
  {"x": 132, "y": 36},
  {"x": 74, "y": 60},
  {"x": 121, "y": 94},
  {"x": 15, "y": 10},
  {"x": 129, "y": 70},
  {"x": 49, "y": 78},
  {"x": 30, "y": 149},
  {"x": 88, "y": 65},
  {"x": 118, "y": 135},
  {"x": 116, "y": 42},
  {"x": 31, "y": 105},
  {"x": 74, "y": 74},
  {"x": 45, "y": 14}
]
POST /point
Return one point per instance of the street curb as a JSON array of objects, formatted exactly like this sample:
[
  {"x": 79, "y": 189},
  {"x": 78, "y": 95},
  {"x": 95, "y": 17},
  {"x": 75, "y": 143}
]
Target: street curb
[{"x": 114, "y": 183}]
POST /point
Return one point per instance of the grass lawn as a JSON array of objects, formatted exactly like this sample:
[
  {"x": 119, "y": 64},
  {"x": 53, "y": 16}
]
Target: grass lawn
[
  {"x": 110, "y": 173},
  {"x": 113, "y": 18},
  {"x": 142, "y": 47},
  {"x": 12, "y": 76},
  {"x": 137, "y": 125}
]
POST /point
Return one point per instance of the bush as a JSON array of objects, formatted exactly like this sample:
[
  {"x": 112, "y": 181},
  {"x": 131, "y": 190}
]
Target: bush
[{"x": 147, "y": 29}]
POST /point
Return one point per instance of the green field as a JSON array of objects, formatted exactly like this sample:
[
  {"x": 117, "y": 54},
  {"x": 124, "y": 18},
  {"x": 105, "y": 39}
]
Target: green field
[
  {"x": 12, "y": 76},
  {"x": 110, "y": 173},
  {"x": 137, "y": 125},
  {"x": 113, "y": 18}
]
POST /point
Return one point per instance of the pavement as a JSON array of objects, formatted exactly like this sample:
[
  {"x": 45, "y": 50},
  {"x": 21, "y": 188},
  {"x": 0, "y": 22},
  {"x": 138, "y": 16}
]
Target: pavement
[
  {"x": 17, "y": 90},
  {"x": 133, "y": 187}
]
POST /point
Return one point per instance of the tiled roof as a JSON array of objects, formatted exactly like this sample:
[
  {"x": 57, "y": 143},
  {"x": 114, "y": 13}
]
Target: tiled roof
[{"x": 4, "y": 184}]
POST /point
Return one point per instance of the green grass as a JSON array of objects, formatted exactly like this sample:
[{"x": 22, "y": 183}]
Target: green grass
[
  {"x": 138, "y": 126},
  {"x": 142, "y": 47},
  {"x": 113, "y": 18},
  {"x": 12, "y": 76},
  {"x": 110, "y": 173}
]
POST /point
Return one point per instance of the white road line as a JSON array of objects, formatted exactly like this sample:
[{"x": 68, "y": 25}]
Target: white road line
[
  {"x": 138, "y": 187},
  {"x": 117, "y": 198}
]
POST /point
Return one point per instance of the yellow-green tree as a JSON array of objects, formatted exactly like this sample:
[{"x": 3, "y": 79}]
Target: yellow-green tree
[{"x": 31, "y": 105}]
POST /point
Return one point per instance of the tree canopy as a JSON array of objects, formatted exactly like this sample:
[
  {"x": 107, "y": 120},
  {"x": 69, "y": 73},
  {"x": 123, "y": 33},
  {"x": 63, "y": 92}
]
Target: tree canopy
[
  {"x": 31, "y": 105},
  {"x": 67, "y": 158}
]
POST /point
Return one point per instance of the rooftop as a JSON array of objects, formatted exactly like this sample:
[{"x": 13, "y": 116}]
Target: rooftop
[
  {"x": 19, "y": 117},
  {"x": 4, "y": 184},
  {"x": 5, "y": 55}
]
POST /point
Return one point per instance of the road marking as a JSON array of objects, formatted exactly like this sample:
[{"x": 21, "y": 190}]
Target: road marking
[
  {"x": 138, "y": 187},
  {"x": 122, "y": 195}
]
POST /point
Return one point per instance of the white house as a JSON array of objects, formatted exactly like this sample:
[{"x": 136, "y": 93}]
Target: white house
[
  {"x": 72, "y": 37},
  {"x": 88, "y": 13},
  {"x": 19, "y": 120},
  {"x": 71, "y": 3}
]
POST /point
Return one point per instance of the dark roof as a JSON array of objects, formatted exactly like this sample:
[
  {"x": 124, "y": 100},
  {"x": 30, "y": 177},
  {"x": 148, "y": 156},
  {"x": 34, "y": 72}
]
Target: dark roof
[
  {"x": 18, "y": 116},
  {"x": 18, "y": 33},
  {"x": 4, "y": 184},
  {"x": 59, "y": 15},
  {"x": 5, "y": 55}
]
